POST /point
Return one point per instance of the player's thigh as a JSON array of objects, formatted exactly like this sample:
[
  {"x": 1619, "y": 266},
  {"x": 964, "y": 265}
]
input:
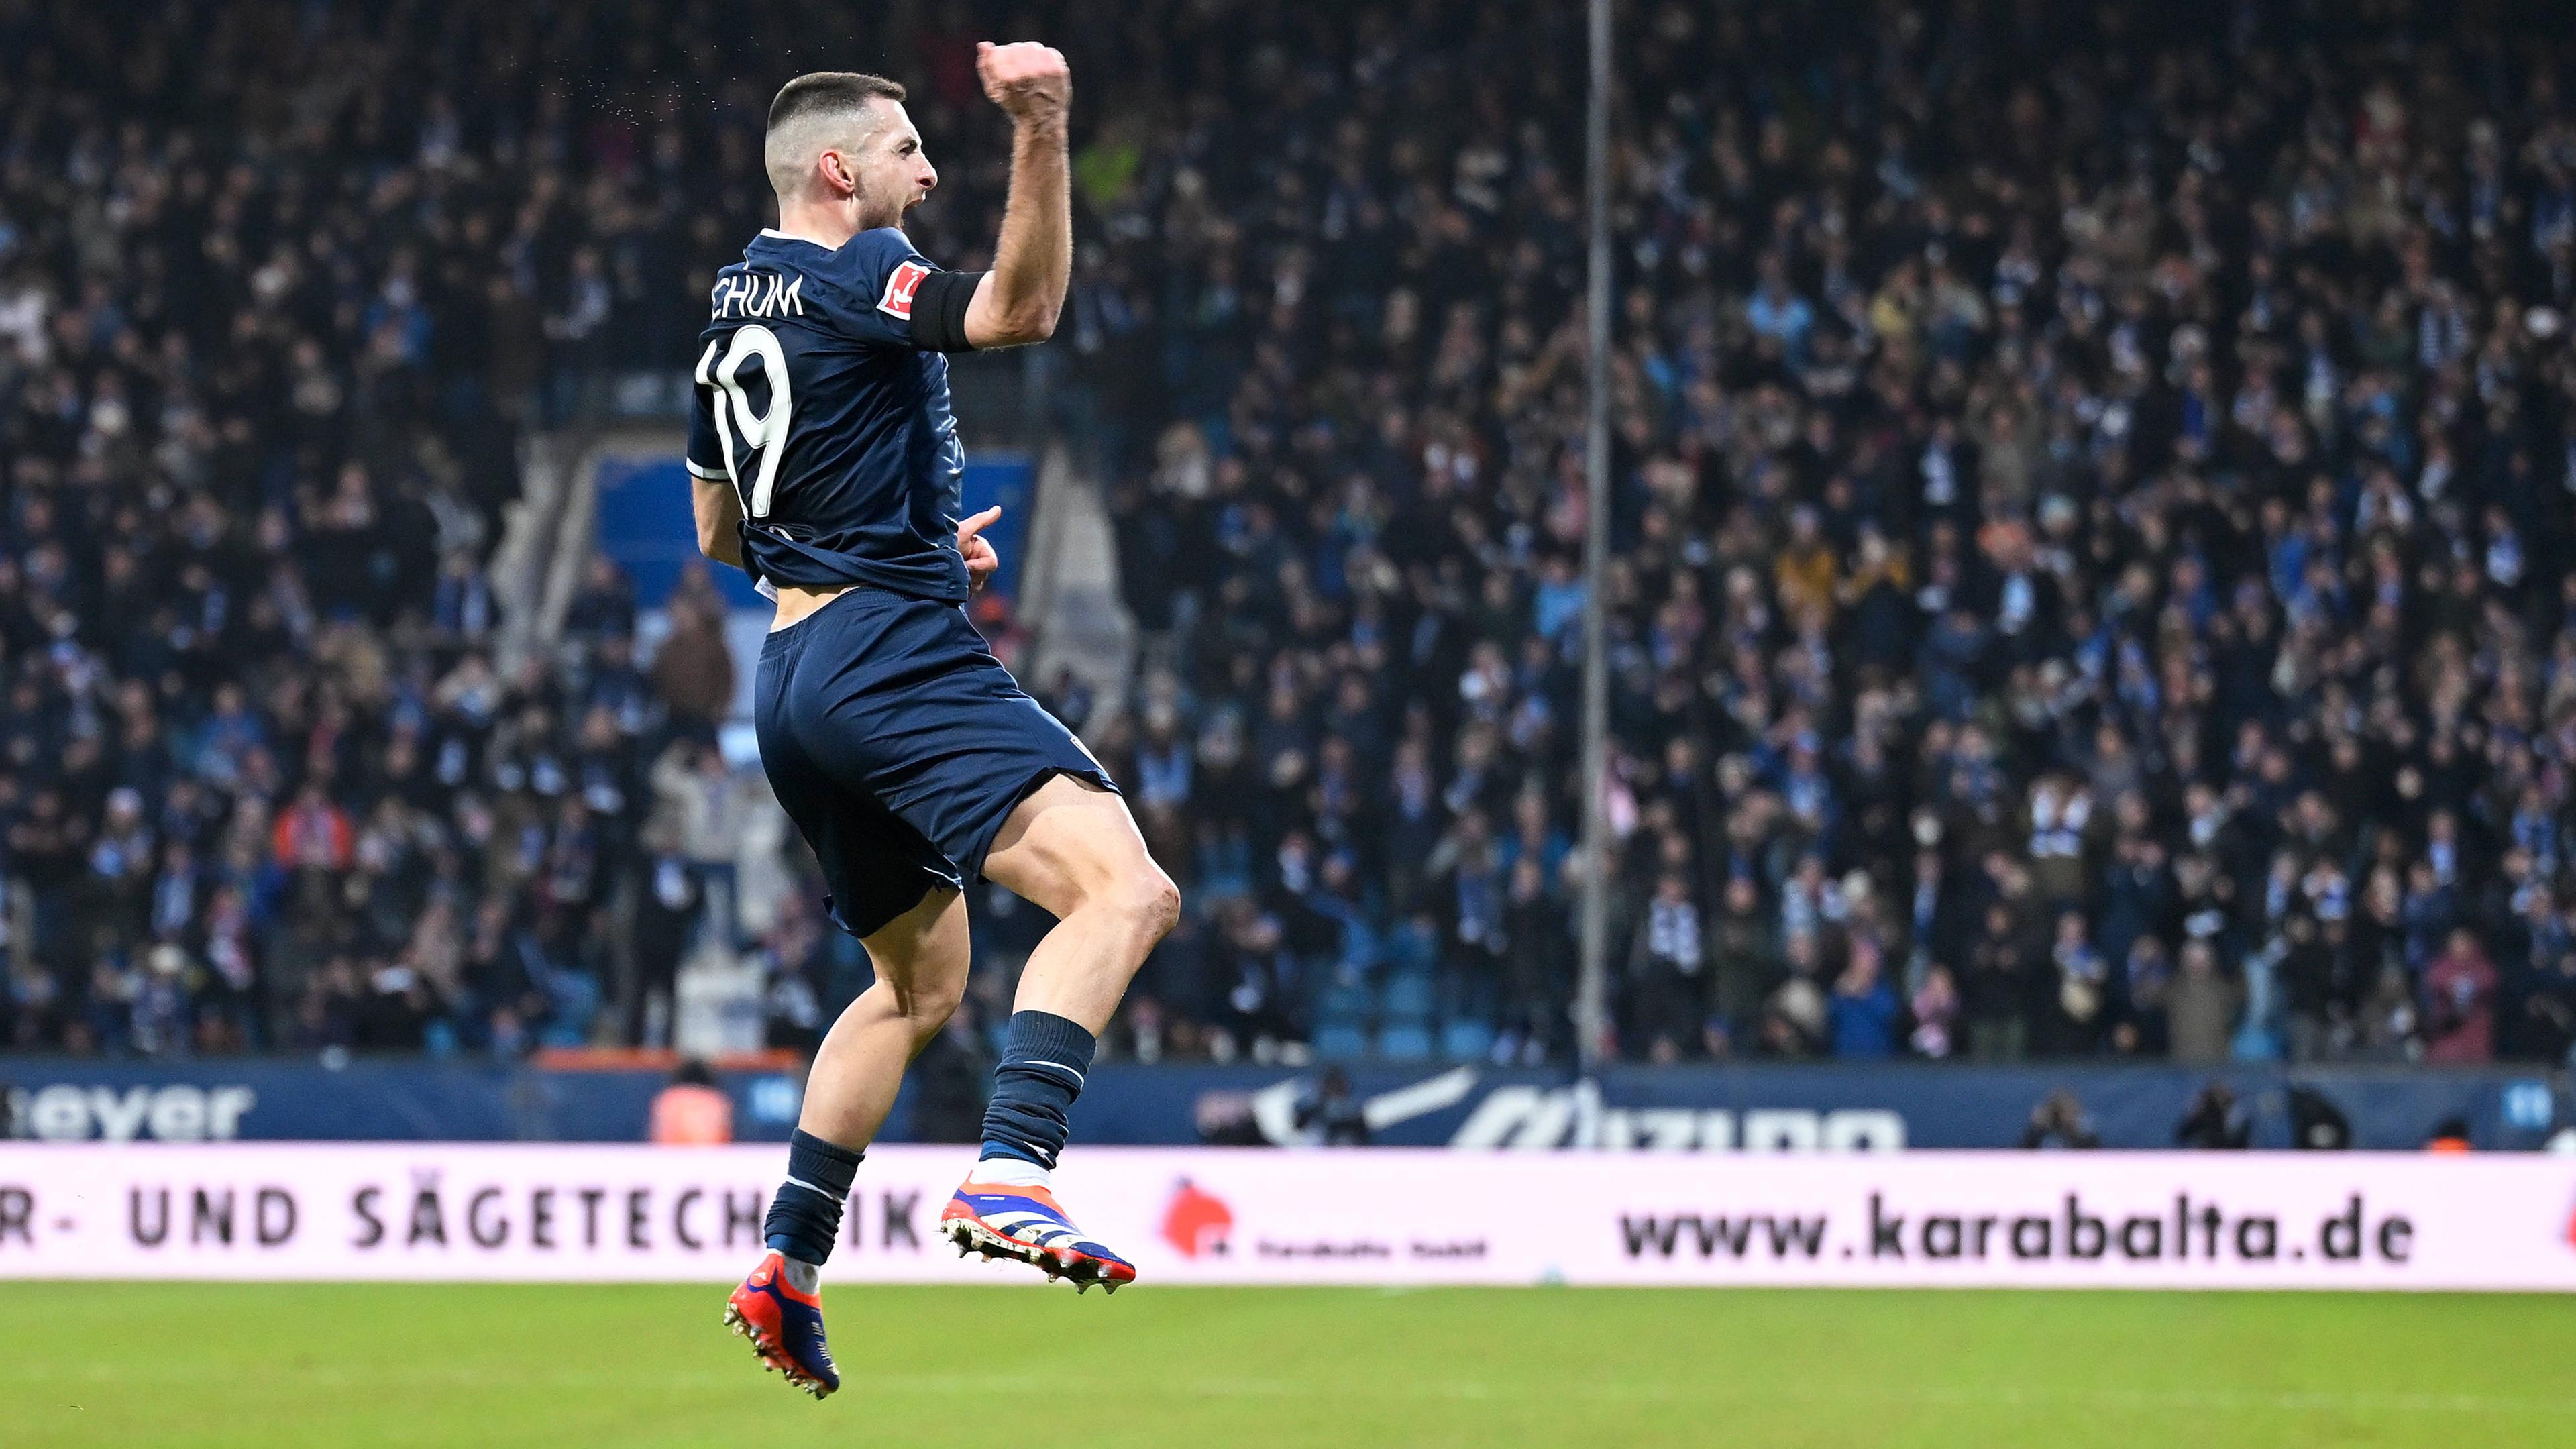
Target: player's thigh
[
  {"x": 877, "y": 870},
  {"x": 1070, "y": 843},
  {"x": 923, "y": 954},
  {"x": 929, "y": 724}
]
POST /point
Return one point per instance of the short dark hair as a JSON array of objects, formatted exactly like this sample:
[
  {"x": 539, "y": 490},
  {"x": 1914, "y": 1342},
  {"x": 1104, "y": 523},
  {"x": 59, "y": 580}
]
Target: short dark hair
[{"x": 829, "y": 90}]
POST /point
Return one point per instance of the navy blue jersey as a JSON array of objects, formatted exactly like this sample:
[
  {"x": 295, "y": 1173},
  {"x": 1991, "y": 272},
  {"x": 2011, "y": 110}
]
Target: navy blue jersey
[{"x": 831, "y": 424}]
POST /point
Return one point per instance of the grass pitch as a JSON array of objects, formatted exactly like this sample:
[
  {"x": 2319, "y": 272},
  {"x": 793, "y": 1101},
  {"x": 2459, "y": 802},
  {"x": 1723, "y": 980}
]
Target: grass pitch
[{"x": 275, "y": 1366}]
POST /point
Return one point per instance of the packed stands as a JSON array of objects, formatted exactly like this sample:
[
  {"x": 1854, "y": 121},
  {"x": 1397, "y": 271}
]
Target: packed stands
[{"x": 2086, "y": 482}]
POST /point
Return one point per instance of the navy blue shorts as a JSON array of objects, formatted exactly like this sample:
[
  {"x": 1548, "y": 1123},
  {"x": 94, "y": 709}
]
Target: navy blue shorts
[{"x": 899, "y": 745}]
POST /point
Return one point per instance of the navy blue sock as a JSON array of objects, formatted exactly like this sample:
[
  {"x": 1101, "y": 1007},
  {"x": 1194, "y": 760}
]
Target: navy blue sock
[
  {"x": 806, "y": 1215},
  {"x": 1043, "y": 1062}
]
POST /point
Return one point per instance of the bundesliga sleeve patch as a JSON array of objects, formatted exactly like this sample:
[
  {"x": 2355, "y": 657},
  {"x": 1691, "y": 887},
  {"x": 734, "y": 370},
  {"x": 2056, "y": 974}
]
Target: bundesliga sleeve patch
[{"x": 897, "y": 301}]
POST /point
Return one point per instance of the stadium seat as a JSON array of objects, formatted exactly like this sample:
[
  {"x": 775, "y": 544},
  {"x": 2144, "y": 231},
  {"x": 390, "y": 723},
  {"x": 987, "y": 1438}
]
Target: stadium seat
[
  {"x": 1404, "y": 1042},
  {"x": 1407, "y": 996},
  {"x": 1466, "y": 1039},
  {"x": 1344, "y": 1001},
  {"x": 1340, "y": 1039}
]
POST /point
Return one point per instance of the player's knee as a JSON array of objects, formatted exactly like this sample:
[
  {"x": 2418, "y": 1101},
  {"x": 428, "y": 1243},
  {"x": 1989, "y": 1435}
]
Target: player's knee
[
  {"x": 1152, "y": 902},
  {"x": 928, "y": 1007}
]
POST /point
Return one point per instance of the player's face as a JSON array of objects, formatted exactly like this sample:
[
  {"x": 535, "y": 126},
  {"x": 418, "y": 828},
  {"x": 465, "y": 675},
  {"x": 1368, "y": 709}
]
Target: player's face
[{"x": 893, "y": 174}]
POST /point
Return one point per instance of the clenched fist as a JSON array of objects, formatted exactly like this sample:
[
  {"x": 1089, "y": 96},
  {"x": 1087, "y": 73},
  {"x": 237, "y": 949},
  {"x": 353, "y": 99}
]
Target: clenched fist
[{"x": 1029, "y": 80}]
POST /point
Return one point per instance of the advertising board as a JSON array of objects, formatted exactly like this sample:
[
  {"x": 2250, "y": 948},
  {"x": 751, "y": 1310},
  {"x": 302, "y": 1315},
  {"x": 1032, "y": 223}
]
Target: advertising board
[{"x": 1397, "y": 1216}]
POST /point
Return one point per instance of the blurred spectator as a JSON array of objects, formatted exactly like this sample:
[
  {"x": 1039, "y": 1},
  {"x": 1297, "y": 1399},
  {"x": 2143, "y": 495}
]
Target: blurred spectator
[
  {"x": 2214, "y": 1120},
  {"x": 668, "y": 910},
  {"x": 2316, "y": 1123},
  {"x": 692, "y": 1111},
  {"x": 1334, "y": 1116},
  {"x": 1935, "y": 1012},
  {"x": 693, "y": 670},
  {"x": 2459, "y": 993},
  {"x": 2059, "y": 1121},
  {"x": 1864, "y": 1008},
  {"x": 2000, "y": 984},
  {"x": 1669, "y": 967},
  {"x": 1226, "y": 1119},
  {"x": 2200, "y": 1008}
]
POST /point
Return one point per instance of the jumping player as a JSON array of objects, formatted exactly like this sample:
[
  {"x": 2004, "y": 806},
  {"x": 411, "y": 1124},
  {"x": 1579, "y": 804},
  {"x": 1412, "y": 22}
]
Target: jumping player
[{"x": 826, "y": 463}]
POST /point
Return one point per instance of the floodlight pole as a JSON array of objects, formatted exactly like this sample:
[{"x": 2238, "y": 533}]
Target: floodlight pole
[{"x": 1592, "y": 998}]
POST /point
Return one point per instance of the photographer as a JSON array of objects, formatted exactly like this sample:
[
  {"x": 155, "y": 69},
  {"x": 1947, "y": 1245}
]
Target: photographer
[
  {"x": 2215, "y": 1120},
  {"x": 2059, "y": 1121},
  {"x": 1332, "y": 1115}
]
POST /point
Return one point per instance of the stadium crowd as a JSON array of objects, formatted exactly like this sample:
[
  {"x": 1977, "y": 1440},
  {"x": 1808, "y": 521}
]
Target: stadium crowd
[{"x": 2086, "y": 489}]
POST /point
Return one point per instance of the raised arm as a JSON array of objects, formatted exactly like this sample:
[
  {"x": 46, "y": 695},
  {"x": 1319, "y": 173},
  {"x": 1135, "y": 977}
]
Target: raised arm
[{"x": 1017, "y": 301}]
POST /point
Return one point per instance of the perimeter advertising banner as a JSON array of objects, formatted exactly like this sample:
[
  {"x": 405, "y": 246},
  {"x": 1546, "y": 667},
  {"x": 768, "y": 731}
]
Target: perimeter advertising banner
[
  {"x": 1213, "y": 1215},
  {"x": 1737, "y": 1108}
]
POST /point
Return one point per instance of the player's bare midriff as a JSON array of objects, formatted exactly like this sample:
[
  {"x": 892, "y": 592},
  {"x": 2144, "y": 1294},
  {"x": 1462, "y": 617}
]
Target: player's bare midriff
[{"x": 795, "y": 602}]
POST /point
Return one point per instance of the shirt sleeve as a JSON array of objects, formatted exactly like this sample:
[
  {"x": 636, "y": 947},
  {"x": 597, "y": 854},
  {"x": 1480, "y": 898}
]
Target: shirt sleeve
[
  {"x": 706, "y": 457},
  {"x": 883, "y": 275}
]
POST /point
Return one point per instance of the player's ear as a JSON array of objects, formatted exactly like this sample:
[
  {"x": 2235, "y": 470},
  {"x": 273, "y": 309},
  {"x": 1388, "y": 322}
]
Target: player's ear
[{"x": 838, "y": 178}]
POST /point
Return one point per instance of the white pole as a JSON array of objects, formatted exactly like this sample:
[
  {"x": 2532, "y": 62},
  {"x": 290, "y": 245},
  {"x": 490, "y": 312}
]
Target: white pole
[{"x": 1591, "y": 1007}]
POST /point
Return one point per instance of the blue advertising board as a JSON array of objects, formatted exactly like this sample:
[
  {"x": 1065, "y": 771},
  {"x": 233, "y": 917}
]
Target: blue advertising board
[{"x": 1713, "y": 1108}]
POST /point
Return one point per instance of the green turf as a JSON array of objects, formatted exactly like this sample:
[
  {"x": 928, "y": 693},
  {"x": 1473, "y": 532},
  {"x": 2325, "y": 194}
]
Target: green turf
[{"x": 276, "y": 1366}]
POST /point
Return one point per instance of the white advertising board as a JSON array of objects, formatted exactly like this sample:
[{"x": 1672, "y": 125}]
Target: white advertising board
[{"x": 610, "y": 1213}]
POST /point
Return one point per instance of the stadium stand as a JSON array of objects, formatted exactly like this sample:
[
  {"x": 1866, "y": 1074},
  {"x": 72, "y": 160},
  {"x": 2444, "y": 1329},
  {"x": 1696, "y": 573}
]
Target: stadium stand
[{"x": 2089, "y": 482}]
